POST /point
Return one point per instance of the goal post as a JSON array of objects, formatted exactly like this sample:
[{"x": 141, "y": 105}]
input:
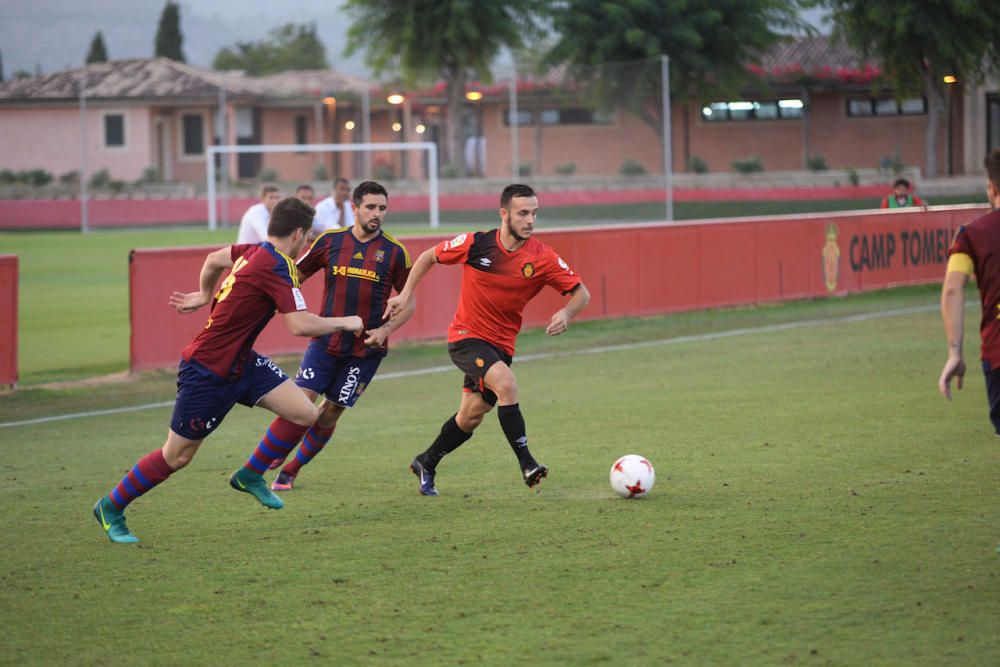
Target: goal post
[{"x": 429, "y": 146}]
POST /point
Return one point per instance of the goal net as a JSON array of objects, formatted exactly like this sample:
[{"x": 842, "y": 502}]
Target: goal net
[{"x": 402, "y": 152}]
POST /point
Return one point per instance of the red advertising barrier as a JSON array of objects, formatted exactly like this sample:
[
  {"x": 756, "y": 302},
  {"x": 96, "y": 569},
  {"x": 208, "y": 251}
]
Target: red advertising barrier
[
  {"x": 630, "y": 270},
  {"x": 8, "y": 320},
  {"x": 65, "y": 213}
]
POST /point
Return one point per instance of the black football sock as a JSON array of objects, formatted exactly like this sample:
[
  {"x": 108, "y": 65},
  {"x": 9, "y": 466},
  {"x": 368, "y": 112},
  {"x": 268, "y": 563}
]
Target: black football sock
[
  {"x": 449, "y": 439},
  {"x": 512, "y": 423}
]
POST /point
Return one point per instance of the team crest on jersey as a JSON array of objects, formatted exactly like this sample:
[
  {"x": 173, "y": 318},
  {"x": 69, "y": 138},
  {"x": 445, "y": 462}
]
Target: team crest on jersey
[
  {"x": 528, "y": 270},
  {"x": 379, "y": 255},
  {"x": 479, "y": 362}
]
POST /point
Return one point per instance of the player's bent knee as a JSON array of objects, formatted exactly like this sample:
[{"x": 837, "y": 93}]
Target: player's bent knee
[
  {"x": 328, "y": 415},
  {"x": 468, "y": 423},
  {"x": 304, "y": 415}
]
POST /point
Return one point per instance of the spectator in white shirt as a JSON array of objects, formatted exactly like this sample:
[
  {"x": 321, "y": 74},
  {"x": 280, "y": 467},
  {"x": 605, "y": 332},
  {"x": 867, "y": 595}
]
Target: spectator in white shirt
[
  {"x": 335, "y": 210},
  {"x": 253, "y": 225}
]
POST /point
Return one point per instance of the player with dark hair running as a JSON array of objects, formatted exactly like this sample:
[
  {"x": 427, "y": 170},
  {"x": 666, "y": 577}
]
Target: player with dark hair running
[
  {"x": 361, "y": 264},
  {"x": 975, "y": 251},
  {"x": 503, "y": 269},
  {"x": 219, "y": 368}
]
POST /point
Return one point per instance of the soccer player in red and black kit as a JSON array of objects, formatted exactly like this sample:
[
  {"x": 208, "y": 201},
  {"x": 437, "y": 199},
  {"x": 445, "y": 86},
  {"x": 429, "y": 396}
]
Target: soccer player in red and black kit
[
  {"x": 361, "y": 264},
  {"x": 503, "y": 269},
  {"x": 975, "y": 251},
  {"x": 219, "y": 368}
]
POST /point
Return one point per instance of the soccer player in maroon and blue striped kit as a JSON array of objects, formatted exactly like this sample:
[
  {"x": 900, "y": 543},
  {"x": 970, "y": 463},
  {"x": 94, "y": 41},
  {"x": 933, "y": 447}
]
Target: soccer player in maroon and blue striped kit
[
  {"x": 362, "y": 264},
  {"x": 219, "y": 368},
  {"x": 975, "y": 251}
]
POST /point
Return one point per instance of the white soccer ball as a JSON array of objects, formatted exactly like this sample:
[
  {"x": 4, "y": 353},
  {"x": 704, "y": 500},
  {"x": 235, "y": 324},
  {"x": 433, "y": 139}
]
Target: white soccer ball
[{"x": 632, "y": 476}]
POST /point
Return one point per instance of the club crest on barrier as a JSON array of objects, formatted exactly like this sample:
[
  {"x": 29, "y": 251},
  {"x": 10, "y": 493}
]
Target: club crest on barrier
[{"x": 831, "y": 258}]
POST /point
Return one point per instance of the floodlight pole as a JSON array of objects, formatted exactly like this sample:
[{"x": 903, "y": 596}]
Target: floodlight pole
[
  {"x": 515, "y": 158},
  {"x": 84, "y": 193},
  {"x": 224, "y": 170},
  {"x": 668, "y": 167},
  {"x": 366, "y": 130}
]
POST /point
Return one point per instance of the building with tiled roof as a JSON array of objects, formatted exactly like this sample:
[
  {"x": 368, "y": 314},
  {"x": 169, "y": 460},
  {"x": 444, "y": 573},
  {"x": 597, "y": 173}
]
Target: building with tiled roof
[{"x": 808, "y": 101}]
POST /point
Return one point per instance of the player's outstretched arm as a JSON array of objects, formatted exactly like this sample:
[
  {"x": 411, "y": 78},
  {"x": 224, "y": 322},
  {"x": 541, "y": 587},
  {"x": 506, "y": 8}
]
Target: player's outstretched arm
[
  {"x": 304, "y": 323},
  {"x": 953, "y": 316},
  {"x": 560, "y": 320},
  {"x": 216, "y": 262},
  {"x": 395, "y": 305}
]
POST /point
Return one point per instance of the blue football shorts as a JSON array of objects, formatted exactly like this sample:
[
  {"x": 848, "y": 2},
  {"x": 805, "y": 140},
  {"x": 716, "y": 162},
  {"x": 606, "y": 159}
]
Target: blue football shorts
[
  {"x": 204, "y": 399},
  {"x": 341, "y": 379}
]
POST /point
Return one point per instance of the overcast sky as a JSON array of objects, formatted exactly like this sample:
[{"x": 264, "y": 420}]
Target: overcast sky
[{"x": 56, "y": 34}]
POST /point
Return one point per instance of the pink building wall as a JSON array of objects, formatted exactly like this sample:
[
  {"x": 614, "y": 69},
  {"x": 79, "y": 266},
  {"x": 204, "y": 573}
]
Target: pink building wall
[{"x": 49, "y": 138}]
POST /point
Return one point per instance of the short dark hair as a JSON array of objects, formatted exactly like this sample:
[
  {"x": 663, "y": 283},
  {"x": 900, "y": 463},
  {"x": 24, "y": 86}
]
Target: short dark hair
[
  {"x": 267, "y": 189},
  {"x": 368, "y": 188},
  {"x": 340, "y": 179},
  {"x": 289, "y": 214},
  {"x": 305, "y": 186},
  {"x": 901, "y": 181},
  {"x": 515, "y": 190},
  {"x": 992, "y": 164}
]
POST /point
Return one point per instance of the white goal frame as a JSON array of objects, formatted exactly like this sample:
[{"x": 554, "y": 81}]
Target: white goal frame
[{"x": 429, "y": 146}]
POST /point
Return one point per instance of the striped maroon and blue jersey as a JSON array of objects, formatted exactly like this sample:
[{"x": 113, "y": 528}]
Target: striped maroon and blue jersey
[
  {"x": 360, "y": 278},
  {"x": 980, "y": 241},
  {"x": 262, "y": 280}
]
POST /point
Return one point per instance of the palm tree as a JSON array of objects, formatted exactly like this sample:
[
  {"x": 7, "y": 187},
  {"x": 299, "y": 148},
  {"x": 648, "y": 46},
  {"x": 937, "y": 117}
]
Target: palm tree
[{"x": 426, "y": 40}]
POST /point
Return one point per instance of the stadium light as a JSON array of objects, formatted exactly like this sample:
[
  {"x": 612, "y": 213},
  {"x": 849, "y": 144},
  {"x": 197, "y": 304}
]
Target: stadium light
[
  {"x": 395, "y": 98},
  {"x": 420, "y": 128},
  {"x": 474, "y": 96},
  {"x": 349, "y": 125},
  {"x": 950, "y": 78},
  {"x": 397, "y": 126}
]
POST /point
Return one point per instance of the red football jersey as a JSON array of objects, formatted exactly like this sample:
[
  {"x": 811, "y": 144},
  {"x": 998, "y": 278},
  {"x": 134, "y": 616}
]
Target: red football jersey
[
  {"x": 261, "y": 281},
  {"x": 980, "y": 240},
  {"x": 359, "y": 278},
  {"x": 497, "y": 284}
]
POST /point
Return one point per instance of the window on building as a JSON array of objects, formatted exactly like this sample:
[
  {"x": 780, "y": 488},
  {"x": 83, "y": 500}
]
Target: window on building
[
  {"x": 563, "y": 116},
  {"x": 885, "y": 106},
  {"x": 300, "y": 130},
  {"x": 715, "y": 112},
  {"x": 193, "y": 131},
  {"x": 913, "y": 105},
  {"x": 114, "y": 130},
  {"x": 524, "y": 117}
]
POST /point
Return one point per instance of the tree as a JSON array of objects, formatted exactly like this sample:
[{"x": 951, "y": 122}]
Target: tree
[
  {"x": 918, "y": 43},
  {"x": 169, "y": 39},
  {"x": 290, "y": 47},
  {"x": 98, "y": 53},
  {"x": 709, "y": 43},
  {"x": 448, "y": 39}
]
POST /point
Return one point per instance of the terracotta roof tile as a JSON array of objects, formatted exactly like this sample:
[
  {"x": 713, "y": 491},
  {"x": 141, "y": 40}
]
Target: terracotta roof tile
[{"x": 152, "y": 78}]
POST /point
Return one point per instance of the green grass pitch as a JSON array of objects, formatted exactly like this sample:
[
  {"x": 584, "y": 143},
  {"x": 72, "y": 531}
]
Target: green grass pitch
[{"x": 816, "y": 503}]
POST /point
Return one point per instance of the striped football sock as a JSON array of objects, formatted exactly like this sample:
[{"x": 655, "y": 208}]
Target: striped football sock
[
  {"x": 312, "y": 444},
  {"x": 278, "y": 442},
  {"x": 149, "y": 471}
]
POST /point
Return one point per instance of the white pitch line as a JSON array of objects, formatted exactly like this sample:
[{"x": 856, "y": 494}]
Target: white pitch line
[{"x": 747, "y": 331}]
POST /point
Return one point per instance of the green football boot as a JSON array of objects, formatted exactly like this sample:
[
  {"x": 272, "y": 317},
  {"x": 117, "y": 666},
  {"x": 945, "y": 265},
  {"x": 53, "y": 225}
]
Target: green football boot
[
  {"x": 112, "y": 520},
  {"x": 248, "y": 481}
]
